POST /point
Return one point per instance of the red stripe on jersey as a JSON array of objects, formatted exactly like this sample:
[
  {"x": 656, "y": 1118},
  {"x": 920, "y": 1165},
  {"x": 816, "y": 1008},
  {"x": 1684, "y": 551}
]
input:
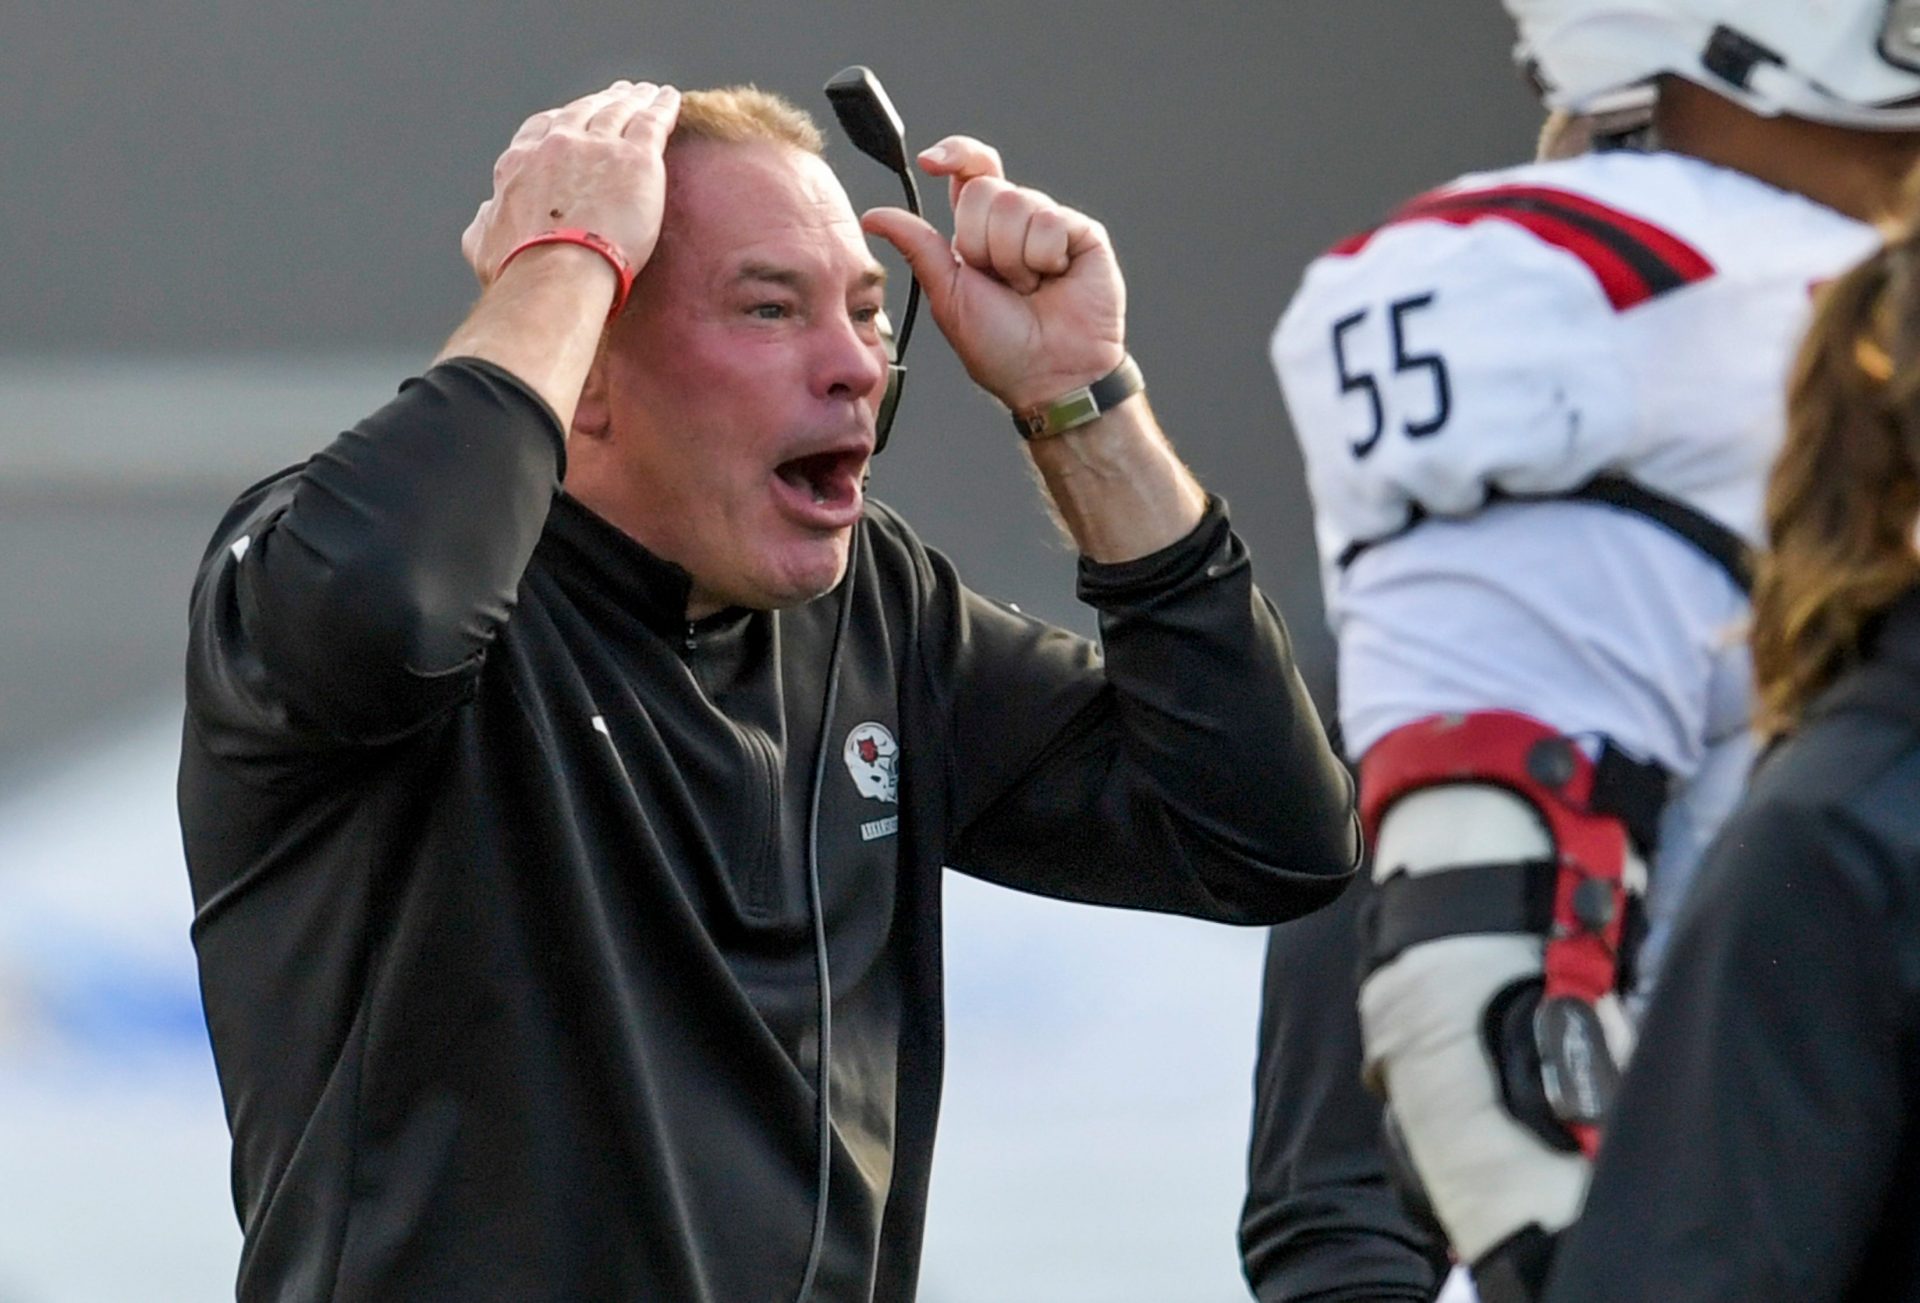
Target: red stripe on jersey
[
  {"x": 1687, "y": 262},
  {"x": 1633, "y": 260},
  {"x": 1624, "y": 286}
]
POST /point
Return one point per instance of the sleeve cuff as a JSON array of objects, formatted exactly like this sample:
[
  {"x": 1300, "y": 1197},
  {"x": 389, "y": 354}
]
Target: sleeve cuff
[{"x": 1107, "y": 583}]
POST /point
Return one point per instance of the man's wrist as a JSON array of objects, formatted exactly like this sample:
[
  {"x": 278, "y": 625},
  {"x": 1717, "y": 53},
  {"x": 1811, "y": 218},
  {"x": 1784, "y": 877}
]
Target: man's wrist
[
  {"x": 583, "y": 249},
  {"x": 541, "y": 320},
  {"x": 1080, "y": 406},
  {"x": 1117, "y": 485}
]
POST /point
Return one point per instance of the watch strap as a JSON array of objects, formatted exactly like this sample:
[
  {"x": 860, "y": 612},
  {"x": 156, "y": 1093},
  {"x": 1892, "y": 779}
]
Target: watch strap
[{"x": 1079, "y": 406}]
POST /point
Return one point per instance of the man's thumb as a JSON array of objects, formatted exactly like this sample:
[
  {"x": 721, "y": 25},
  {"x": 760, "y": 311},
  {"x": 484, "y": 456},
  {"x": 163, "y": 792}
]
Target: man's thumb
[{"x": 929, "y": 256}]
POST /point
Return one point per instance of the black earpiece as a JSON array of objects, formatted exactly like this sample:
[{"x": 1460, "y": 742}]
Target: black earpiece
[{"x": 871, "y": 123}]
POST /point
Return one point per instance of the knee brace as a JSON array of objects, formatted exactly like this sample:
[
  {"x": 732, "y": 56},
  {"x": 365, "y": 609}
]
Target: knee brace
[{"x": 1496, "y": 945}]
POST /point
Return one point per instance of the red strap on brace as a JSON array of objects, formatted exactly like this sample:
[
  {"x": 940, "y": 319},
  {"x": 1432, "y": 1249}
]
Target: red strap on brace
[{"x": 1551, "y": 772}]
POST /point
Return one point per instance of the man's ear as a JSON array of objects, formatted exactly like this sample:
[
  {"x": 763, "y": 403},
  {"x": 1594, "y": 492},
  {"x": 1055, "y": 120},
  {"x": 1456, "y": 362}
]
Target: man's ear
[{"x": 593, "y": 415}]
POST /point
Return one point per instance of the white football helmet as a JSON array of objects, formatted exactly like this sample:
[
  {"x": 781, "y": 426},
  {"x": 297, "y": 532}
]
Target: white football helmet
[{"x": 1853, "y": 63}]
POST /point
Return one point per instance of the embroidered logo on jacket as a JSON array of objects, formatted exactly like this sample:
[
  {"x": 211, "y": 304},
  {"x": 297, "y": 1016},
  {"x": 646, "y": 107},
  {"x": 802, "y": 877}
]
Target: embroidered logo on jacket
[{"x": 873, "y": 758}]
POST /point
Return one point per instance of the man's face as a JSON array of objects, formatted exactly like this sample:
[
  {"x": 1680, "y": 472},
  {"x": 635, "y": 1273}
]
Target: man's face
[{"x": 742, "y": 380}]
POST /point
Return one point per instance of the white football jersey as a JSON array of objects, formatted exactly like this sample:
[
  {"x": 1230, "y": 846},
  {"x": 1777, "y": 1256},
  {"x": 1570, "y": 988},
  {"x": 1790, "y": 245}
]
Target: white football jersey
[{"x": 1517, "y": 333}]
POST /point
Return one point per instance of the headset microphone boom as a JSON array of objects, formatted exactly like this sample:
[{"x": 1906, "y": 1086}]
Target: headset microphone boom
[
  {"x": 869, "y": 119},
  {"x": 871, "y": 123}
]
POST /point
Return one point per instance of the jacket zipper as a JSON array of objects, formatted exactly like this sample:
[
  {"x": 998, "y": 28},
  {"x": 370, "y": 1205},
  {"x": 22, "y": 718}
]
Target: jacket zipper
[{"x": 759, "y": 889}]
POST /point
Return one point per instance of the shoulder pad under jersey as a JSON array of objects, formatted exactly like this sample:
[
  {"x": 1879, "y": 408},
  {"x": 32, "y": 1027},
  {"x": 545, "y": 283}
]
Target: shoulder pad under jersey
[{"x": 1470, "y": 343}]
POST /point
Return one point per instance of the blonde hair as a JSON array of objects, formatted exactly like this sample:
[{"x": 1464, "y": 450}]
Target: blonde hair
[
  {"x": 1845, "y": 494},
  {"x": 729, "y": 115},
  {"x": 741, "y": 115}
]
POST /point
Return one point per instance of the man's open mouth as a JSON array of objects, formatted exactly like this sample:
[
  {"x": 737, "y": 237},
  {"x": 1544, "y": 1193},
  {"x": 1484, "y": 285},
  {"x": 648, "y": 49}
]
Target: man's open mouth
[{"x": 827, "y": 479}]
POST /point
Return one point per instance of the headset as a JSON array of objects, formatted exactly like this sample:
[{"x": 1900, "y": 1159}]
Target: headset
[
  {"x": 869, "y": 119},
  {"x": 871, "y": 123}
]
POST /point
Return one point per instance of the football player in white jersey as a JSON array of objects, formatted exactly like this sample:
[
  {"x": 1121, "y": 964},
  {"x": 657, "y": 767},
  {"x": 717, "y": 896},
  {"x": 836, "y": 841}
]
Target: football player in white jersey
[
  {"x": 1322, "y": 1219},
  {"x": 1537, "y": 409}
]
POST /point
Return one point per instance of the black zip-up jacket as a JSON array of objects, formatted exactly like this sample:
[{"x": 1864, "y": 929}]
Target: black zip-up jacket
[
  {"x": 501, "y": 867},
  {"x": 1765, "y": 1147}
]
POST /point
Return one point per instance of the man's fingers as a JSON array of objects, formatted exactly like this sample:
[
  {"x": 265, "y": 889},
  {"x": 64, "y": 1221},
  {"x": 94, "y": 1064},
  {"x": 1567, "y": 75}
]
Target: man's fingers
[
  {"x": 577, "y": 114},
  {"x": 973, "y": 217},
  {"x": 617, "y": 114},
  {"x": 1019, "y": 235},
  {"x": 616, "y": 108},
  {"x": 534, "y": 128},
  {"x": 652, "y": 119},
  {"x": 1009, "y": 219},
  {"x": 960, "y": 159},
  {"x": 510, "y": 161},
  {"x": 961, "y": 156},
  {"x": 1048, "y": 236}
]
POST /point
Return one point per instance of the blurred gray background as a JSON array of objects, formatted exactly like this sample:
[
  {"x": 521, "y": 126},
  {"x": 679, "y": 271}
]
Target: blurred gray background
[{"x": 227, "y": 230}]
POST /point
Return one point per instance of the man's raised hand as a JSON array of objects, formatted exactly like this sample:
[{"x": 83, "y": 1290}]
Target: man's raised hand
[
  {"x": 1027, "y": 291},
  {"x": 596, "y": 164}
]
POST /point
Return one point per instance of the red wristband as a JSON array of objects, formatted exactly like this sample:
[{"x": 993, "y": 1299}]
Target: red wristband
[{"x": 600, "y": 244}]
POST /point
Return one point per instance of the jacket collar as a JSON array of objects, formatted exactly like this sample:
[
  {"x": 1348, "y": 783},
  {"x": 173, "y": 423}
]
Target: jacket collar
[{"x": 603, "y": 566}]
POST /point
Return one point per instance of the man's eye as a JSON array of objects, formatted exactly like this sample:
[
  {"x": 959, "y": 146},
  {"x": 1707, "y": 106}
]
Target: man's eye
[
  {"x": 768, "y": 311},
  {"x": 866, "y": 316}
]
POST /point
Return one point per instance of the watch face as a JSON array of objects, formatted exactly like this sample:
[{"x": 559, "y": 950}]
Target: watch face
[{"x": 1900, "y": 38}]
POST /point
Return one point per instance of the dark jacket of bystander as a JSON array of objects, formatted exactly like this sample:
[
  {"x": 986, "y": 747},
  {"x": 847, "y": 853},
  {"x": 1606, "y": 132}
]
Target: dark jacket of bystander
[{"x": 1765, "y": 1147}]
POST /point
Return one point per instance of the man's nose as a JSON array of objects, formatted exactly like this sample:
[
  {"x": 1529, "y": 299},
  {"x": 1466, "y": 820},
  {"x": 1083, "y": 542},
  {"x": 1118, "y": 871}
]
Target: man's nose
[{"x": 850, "y": 363}]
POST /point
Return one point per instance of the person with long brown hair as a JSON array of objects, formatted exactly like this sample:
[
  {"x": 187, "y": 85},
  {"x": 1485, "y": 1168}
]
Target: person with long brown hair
[
  {"x": 1764, "y": 1145},
  {"x": 1841, "y": 507}
]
